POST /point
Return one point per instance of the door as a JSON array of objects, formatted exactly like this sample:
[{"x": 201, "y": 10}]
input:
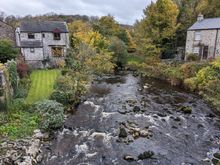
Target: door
[{"x": 205, "y": 52}]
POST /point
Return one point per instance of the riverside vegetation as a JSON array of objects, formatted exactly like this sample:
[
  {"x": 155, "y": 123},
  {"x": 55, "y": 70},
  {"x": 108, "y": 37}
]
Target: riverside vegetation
[{"x": 99, "y": 47}]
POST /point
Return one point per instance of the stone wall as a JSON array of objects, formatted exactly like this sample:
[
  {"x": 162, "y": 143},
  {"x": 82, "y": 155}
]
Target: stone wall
[
  {"x": 208, "y": 38},
  {"x": 7, "y": 32},
  {"x": 5, "y": 88}
]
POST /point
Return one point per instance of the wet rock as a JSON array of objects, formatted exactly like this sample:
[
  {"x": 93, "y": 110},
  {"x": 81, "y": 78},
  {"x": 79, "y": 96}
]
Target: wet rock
[
  {"x": 210, "y": 115},
  {"x": 217, "y": 155},
  {"x": 145, "y": 134},
  {"x": 177, "y": 119},
  {"x": 146, "y": 155},
  {"x": 129, "y": 158},
  {"x": 136, "y": 135},
  {"x": 174, "y": 127},
  {"x": 161, "y": 115},
  {"x": 186, "y": 109},
  {"x": 122, "y": 111},
  {"x": 122, "y": 132},
  {"x": 39, "y": 158},
  {"x": 200, "y": 126},
  {"x": 137, "y": 109},
  {"x": 39, "y": 135},
  {"x": 215, "y": 161}
]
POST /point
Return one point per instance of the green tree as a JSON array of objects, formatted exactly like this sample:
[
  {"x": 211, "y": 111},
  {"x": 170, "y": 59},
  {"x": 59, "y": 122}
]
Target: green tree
[
  {"x": 107, "y": 26},
  {"x": 119, "y": 50},
  {"x": 159, "y": 25},
  {"x": 7, "y": 51}
]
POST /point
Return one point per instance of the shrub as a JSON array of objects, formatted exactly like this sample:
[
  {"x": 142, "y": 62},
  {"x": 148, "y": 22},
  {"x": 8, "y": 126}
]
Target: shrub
[
  {"x": 22, "y": 68},
  {"x": 7, "y": 51},
  {"x": 51, "y": 114},
  {"x": 13, "y": 75},
  {"x": 18, "y": 105},
  {"x": 192, "y": 57},
  {"x": 69, "y": 89},
  {"x": 190, "y": 69},
  {"x": 23, "y": 88},
  {"x": 18, "y": 124}
]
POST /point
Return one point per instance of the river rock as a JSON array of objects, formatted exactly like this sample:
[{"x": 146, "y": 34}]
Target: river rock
[
  {"x": 146, "y": 155},
  {"x": 122, "y": 132},
  {"x": 39, "y": 135},
  {"x": 122, "y": 111},
  {"x": 177, "y": 119},
  {"x": 33, "y": 150},
  {"x": 186, "y": 109},
  {"x": 129, "y": 158},
  {"x": 145, "y": 133},
  {"x": 217, "y": 155},
  {"x": 136, "y": 109}
]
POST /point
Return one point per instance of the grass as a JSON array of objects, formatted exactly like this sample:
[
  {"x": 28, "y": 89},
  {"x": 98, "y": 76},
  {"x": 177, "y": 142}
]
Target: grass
[
  {"x": 42, "y": 83},
  {"x": 134, "y": 58}
]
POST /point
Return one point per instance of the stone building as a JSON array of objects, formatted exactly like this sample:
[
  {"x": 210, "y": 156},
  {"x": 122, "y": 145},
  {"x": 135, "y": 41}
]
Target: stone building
[
  {"x": 42, "y": 43},
  {"x": 7, "y": 32},
  {"x": 203, "y": 38}
]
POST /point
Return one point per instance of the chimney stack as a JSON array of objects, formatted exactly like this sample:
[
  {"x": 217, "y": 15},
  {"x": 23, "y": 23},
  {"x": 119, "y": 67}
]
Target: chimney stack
[{"x": 200, "y": 17}]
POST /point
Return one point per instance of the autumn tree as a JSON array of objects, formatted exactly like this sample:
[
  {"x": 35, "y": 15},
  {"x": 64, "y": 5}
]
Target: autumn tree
[
  {"x": 157, "y": 29},
  {"x": 107, "y": 26}
]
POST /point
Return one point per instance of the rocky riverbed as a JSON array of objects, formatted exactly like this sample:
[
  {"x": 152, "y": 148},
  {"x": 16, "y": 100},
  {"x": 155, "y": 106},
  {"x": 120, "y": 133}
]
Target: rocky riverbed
[{"x": 128, "y": 120}]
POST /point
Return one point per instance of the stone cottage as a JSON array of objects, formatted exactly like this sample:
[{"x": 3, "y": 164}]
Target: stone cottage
[
  {"x": 203, "y": 38},
  {"x": 42, "y": 43},
  {"x": 7, "y": 32}
]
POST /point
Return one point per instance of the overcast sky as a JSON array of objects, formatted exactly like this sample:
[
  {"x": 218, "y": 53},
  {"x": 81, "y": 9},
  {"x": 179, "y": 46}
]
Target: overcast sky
[{"x": 125, "y": 11}]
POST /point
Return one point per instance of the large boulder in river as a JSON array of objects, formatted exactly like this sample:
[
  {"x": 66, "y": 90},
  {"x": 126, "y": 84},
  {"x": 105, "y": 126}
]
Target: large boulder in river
[
  {"x": 137, "y": 109},
  {"x": 146, "y": 155},
  {"x": 129, "y": 158},
  {"x": 186, "y": 109},
  {"x": 122, "y": 133}
]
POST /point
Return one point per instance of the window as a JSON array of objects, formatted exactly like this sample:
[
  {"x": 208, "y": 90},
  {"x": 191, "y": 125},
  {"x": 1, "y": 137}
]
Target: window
[
  {"x": 196, "y": 50},
  {"x": 57, "y": 51},
  {"x": 56, "y": 36},
  {"x": 197, "y": 36},
  {"x": 31, "y": 36},
  {"x": 43, "y": 35},
  {"x": 32, "y": 50}
]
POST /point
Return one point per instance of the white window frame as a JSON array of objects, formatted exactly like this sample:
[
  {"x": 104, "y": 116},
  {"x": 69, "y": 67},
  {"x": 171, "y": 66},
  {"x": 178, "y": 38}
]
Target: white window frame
[
  {"x": 197, "y": 35},
  {"x": 196, "y": 50}
]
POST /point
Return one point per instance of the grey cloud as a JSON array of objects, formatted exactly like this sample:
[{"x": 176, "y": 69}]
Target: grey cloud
[{"x": 125, "y": 11}]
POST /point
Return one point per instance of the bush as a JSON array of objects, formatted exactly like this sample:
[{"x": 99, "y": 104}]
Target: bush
[
  {"x": 18, "y": 124},
  {"x": 51, "y": 114},
  {"x": 18, "y": 105},
  {"x": 119, "y": 50},
  {"x": 7, "y": 51},
  {"x": 23, "y": 88},
  {"x": 69, "y": 89},
  {"x": 192, "y": 57},
  {"x": 22, "y": 68},
  {"x": 190, "y": 69}
]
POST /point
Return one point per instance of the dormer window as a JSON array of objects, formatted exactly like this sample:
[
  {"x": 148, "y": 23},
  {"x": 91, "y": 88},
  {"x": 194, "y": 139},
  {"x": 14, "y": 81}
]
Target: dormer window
[
  {"x": 56, "y": 36},
  {"x": 31, "y": 36}
]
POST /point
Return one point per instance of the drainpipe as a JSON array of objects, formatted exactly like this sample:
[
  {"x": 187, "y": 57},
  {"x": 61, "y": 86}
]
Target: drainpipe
[{"x": 216, "y": 39}]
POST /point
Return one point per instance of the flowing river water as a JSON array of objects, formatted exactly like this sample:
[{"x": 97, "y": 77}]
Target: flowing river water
[{"x": 125, "y": 116}]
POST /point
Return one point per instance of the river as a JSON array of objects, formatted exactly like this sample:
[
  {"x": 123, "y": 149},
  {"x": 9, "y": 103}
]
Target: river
[{"x": 125, "y": 117}]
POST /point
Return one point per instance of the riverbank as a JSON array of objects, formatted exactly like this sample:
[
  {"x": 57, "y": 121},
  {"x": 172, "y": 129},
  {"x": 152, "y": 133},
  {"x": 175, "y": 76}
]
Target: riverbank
[{"x": 199, "y": 77}]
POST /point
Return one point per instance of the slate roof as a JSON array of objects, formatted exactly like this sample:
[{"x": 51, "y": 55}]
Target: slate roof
[
  {"x": 45, "y": 26},
  {"x": 31, "y": 44},
  {"x": 206, "y": 24}
]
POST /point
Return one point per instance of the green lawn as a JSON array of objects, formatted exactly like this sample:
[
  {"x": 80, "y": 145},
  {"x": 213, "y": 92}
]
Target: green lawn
[{"x": 42, "y": 83}]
